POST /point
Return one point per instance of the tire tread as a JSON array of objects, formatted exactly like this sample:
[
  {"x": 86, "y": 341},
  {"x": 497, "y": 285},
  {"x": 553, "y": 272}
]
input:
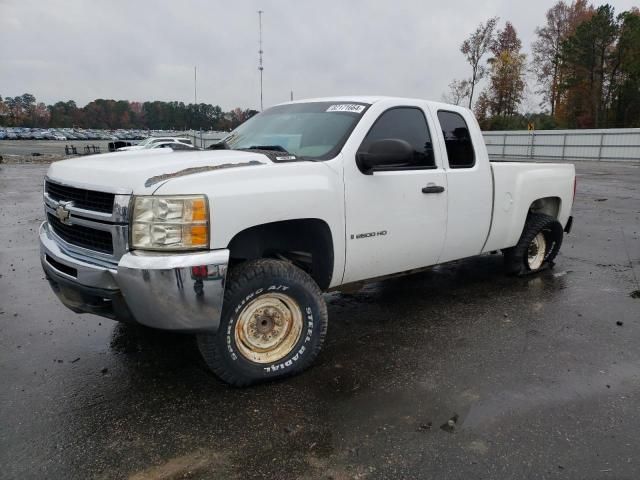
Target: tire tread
[
  {"x": 513, "y": 257},
  {"x": 241, "y": 275}
]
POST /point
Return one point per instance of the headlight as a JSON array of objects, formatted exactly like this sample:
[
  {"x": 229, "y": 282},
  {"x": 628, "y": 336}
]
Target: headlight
[{"x": 170, "y": 223}]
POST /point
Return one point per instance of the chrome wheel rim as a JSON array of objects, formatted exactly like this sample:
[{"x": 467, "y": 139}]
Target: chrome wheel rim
[
  {"x": 536, "y": 251},
  {"x": 268, "y": 328}
]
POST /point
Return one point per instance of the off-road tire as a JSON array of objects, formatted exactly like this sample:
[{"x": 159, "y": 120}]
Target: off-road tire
[
  {"x": 516, "y": 258},
  {"x": 250, "y": 281}
]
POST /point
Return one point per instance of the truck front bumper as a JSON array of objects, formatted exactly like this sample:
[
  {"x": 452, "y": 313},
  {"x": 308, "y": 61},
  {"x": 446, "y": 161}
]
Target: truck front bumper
[{"x": 179, "y": 291}]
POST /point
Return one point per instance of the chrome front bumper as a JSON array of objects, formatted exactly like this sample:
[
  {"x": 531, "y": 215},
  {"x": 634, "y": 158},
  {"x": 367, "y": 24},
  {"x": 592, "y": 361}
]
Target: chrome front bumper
[{"x": 169, "y": 291}]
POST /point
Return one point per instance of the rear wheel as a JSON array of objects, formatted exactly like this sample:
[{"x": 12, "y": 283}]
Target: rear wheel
[
  {"x": 537, "y": 248},
  {"x": 536, "y": 252},
  {"x": 273, "y": 324}
]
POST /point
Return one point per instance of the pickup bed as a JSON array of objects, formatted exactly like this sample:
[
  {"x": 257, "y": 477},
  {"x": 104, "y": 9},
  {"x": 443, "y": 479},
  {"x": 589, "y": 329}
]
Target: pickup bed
[{"x": 237, "y": 243}]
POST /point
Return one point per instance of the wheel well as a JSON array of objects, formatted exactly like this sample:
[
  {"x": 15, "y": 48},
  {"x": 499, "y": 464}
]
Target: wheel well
[
  {"x": 548, "y": 205},
  {"x": 307, "y": 243}
]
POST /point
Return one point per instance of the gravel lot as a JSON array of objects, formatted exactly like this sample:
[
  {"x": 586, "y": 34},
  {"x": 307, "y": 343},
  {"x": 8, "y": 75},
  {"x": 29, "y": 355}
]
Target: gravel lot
[{"x": 458, "y": 372}]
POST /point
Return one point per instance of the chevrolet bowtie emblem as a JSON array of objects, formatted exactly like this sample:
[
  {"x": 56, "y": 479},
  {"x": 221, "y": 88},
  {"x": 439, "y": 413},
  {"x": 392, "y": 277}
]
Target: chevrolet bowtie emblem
[{"x": 63, "y": 213}]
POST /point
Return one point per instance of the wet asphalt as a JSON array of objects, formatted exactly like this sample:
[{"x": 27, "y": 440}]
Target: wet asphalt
[{"x": 459, "y": 372}]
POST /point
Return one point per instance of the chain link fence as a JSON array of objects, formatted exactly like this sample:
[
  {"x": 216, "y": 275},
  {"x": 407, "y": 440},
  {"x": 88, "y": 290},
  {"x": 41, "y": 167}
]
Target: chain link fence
[
  {"x": 616, "y": 144},
  {"x": 204, "y": 139}
]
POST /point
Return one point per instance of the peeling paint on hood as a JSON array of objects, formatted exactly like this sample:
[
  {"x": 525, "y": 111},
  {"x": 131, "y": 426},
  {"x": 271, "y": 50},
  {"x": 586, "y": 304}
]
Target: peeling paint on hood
[
  {"x": 193, "y": 170},
  {"x": 127, "y": 172}
]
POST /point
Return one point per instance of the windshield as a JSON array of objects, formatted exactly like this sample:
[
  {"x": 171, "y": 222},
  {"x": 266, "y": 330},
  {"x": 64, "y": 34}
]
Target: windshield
[{"x": 310, "y": 130}]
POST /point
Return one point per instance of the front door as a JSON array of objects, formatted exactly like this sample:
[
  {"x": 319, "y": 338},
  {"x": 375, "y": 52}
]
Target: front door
[{"x": 396, "y": 219}]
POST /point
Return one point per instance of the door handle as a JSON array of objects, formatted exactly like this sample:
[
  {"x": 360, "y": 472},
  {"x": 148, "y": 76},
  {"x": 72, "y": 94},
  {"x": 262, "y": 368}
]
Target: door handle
[{"x": 433, "y": 189}]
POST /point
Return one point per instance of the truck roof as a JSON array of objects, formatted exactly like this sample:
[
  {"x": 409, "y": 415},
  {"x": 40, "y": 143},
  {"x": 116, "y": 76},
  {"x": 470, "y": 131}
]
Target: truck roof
[{"x": 371, "y": 99}]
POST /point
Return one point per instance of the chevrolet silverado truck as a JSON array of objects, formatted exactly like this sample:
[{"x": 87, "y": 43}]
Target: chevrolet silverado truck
[{"x": 236, "y": 244}]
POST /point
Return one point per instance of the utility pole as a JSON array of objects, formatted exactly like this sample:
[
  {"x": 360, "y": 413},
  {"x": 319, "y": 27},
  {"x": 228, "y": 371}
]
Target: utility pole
[
  {"x": 260, "y": 52},
  {"x": 292, "y": 95},
  {"x": 195, "y": 99}
]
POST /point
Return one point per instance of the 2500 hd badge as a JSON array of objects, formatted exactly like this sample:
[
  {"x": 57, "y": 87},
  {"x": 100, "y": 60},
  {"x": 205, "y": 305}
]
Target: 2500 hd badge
[{"x": 358, "y": 236}]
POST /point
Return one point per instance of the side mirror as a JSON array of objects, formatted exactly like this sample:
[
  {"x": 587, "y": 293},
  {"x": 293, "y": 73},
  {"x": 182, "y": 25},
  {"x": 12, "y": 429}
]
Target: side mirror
[{"x": 384, "y": 153}]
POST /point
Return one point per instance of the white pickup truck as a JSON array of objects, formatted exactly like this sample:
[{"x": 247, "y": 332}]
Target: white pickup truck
[{"x": 237, "y": 243}]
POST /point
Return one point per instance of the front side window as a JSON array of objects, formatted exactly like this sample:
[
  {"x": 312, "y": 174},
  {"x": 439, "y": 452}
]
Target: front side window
[
  {"x": 408, "y": 124},
  {"x": 314, "y": 131},
  {"x": 457, "y": 139}
]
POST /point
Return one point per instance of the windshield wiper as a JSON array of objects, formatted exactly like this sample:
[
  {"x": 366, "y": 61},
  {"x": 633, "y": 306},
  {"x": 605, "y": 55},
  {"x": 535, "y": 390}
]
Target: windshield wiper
[
  {"x": 275, "y": 148},
  {"x": 219, "y": 146},
  {"x": 280, "y": 149}
]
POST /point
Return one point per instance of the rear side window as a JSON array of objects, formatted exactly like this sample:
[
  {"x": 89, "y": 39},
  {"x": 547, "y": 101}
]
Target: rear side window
[
  {"x": 457, "y": 138},
  {"x": 404, "y": 123}
]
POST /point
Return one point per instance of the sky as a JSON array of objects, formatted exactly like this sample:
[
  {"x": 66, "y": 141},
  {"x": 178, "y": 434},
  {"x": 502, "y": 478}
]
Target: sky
[{"x": 146, "y": 50}]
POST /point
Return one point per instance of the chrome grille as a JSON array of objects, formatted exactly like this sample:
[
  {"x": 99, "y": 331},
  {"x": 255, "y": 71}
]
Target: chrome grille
[
  {"x": 81, "y": 236},
  {"x": 81, "y": 198},
  {"x": 92, "y": 225}
]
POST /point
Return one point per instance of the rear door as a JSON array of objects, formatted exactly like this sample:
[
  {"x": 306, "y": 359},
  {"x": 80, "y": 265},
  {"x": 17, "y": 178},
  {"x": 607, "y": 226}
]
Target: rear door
[
  {"x": 394, "y": 221},
  {"x": 470, "y": 184}
]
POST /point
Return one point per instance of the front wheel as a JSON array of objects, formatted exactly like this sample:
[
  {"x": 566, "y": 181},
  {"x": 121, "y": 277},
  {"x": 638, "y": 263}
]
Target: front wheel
[
  {"x": 273, "y": 324},
  {"x": 537, "y": 248}
]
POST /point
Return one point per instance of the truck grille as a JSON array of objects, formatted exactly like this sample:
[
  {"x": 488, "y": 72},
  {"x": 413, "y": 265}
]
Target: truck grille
[
  {"x": 81, "y": 236},
  {"x": 81, "y": 198}
]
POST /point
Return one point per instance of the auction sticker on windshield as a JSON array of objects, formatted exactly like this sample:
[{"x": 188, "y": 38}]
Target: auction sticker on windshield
[{"x": 346, "y": 107}]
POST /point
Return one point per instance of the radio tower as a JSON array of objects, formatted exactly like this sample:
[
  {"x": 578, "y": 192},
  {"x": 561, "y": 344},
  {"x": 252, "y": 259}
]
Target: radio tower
[{"x": 260, "y": 52}]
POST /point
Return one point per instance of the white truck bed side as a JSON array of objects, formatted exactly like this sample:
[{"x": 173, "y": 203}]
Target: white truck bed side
[{"x": 516, "y": 186}]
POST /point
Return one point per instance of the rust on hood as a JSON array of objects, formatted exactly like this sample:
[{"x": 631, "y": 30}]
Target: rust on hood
[{"x": 193, "y": 170}]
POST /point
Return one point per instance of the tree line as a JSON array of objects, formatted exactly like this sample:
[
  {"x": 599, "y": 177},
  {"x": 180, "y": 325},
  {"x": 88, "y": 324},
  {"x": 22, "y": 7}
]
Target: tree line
[
  {"x": 25, "y": 111},
  {"x": 585, "y": 64}
]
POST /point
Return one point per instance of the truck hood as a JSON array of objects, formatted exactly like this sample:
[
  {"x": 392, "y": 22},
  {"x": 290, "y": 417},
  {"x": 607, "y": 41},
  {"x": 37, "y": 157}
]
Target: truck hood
[{"x": 143, "y": 171}]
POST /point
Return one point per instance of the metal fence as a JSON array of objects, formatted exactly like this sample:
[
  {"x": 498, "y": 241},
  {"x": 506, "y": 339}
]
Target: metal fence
[
  {"x": 204, "y": 139},
  {"x": 616, "y": 144}
]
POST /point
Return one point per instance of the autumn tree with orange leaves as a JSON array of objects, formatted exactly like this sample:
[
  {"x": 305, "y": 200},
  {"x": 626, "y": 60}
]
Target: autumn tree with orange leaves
[
  {"x": 506, "y": 73},
  {"x": 586, "y": 62},
  {"x": 548, "y": 65}
]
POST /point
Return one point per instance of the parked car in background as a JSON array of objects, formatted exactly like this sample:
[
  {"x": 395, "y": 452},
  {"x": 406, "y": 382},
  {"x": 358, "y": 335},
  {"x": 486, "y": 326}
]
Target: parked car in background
[
  {"x": 175, "y": 146},
  {"x": 52, "y": 133},
  {"x": 59, "y": 136},
  {"x": 152, "y": 141}
]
